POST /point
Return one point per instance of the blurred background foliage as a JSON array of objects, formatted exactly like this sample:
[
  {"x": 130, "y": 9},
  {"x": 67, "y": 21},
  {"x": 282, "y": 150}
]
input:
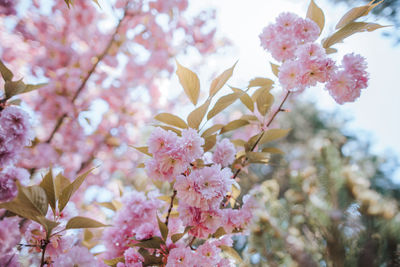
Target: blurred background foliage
[{"x": 328, "y": 201}]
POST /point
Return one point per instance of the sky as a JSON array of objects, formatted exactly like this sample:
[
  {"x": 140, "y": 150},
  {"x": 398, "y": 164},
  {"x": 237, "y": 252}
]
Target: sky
[{"x": 375, "y": 114}]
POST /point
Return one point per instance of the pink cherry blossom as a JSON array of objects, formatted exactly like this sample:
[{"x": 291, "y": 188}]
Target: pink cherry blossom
[{"x": 224, "y": 153}]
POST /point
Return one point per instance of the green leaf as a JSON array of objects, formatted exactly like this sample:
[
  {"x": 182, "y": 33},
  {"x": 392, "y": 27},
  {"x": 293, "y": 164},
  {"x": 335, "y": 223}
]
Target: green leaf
[
  {"x": 48, "y": 185},
  {"x": 30, "y": 203},
  {"x": 169, "y": 128},
  {"x": 209, "y": 142},
  {"x": 171, "y": 119},
  {"x": 108, "y": 205},
  {"x": 212, "y": 130},
  {"x": 143, "y": 149},
  {"x": 273, "y": 150},
  {"x": 32, "y": 87},
  {"x": 79, "y": 222},
  {"x": 114, "y": 262},
  {"x": 233, "y": 253},
  {"x": 163, "y": 228},
  {"x": 220, "y": 81},
  {"x": 233, "y": 125},
  {"x": 220, "y": 232},
  {"x": 71, "y": 189},
  {"x": 14, "y": 88},
  {"x": 176, "y": 237},
  {"x": 316, "y": 14},
  {"x": 275, "y": 69},
  {"x": 196, "y": 116},
  {"x": 258, "y": 157},
  {"x": 47, "y": 224},
  {"x": 261, "y": 82},
  {"x": 273, "y": 134},
  {"x": 245, "y": 98},
  {"x": 60, "y": 183},
  {"x": 356, "y": 13},
  {"x": 264, "y": 101},
  {"x": 348, "y": 30},
  {"x": 154, "y": 242},
  {"x": 190, "y": 82},
  {"x": 37, "y": 196},
  {"x": 223, "y": 103},
  {"x": 5, "y": 72}
]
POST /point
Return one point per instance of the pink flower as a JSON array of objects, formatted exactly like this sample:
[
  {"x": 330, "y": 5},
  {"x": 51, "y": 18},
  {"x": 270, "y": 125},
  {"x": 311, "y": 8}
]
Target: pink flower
[
  {"x": 133, "y": 258},
  {"x": 162, "y": 140},
  {"x": 180, "y": 257},
  {"x": 8, "y": 177},
  {"x": 290, "y": 75},
  {"x": 224, "y": 153},
  {"x": 15, "y": 122},
  {"x": 356, "y": 66},
  {"x": 191, "y": 143},
  {"x": 306, "y": 30},
  {"x": 10, "y": 236},
  {"x": 342, "y": 87},
  {"x": 76, "y": 256},
  {"x": 204, "y": 188}
]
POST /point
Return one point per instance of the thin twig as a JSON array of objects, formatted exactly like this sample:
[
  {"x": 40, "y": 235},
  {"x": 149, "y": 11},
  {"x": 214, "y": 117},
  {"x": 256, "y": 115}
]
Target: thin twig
[
  {"x": 170, "y": 207},
  {"x": 279, "y": 109}
]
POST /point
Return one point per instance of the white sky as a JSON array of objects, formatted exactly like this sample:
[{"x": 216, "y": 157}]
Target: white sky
[{"x": 377, "y": 111}]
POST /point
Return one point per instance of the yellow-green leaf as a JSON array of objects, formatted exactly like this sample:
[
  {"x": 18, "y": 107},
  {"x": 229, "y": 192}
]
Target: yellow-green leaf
[
  {"x": 275, "y": 69},
  {"x": 212, "y": 130},
  {"x": 47, "y": 224},
  {"x": 14, "y": 88},
  {"x": 5, "y": 72},
  {"x": 273, "y": 134},
  {"x": 223, "y": 103},
  {"x": 261, "y": 82},
  {"x": 169, "y": 128},
  {"x": 348, "y": 30},
  {"x": 258, "y": 157},
  {"x": 316, "y": 14},
  {"x": 32, "y": 87},
  {"x": 171, "y": 119},
  {"x": 114, "y": 262},
  {"x": 79, "y": 222},
  {"x": 220, "y": 81},
  {"x": 108, "y": 205},
  {"x": 220, "y": 232},
  {"x": 238, "y": 142},
  {"x": 143, "y": 149},
  {"x": 233, "y": 125},
  {"x": 273, "y": 150},
  {"x": 233, "y": 253},
  {"x": 60, "y": 183},
  {"x": 177, "y": 237},
  {"x": 245, "y": 98},
  {"x": 154, "y": 242},
  {"x": 163, "y": 228},
  {"x": 71, "y": 189},
  {"x": 37, "y": 196},
  {"x": 48, "y": 185},
  {"x": 209, "y": 142},
  {"x": 189, "y": 81},
  {"x": 264, "y": 101},
  {"x": 196, "y": 116},
  {"x": 356, "y": 13}
]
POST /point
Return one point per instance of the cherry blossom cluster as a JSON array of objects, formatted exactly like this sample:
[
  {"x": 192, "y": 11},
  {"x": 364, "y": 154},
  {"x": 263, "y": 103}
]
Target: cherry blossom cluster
[
  {"x": 15, "y": 134},
  {"x": 291, "y": 40},
  {"x": 201, "y": 190}
]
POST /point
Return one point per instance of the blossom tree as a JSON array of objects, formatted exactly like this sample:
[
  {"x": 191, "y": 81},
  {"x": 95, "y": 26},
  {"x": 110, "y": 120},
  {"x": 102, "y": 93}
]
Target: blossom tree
[{"x": 191, "y": 207}]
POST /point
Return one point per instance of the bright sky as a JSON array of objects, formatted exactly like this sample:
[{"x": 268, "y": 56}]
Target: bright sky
[{"x": 377, "y": 111}]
